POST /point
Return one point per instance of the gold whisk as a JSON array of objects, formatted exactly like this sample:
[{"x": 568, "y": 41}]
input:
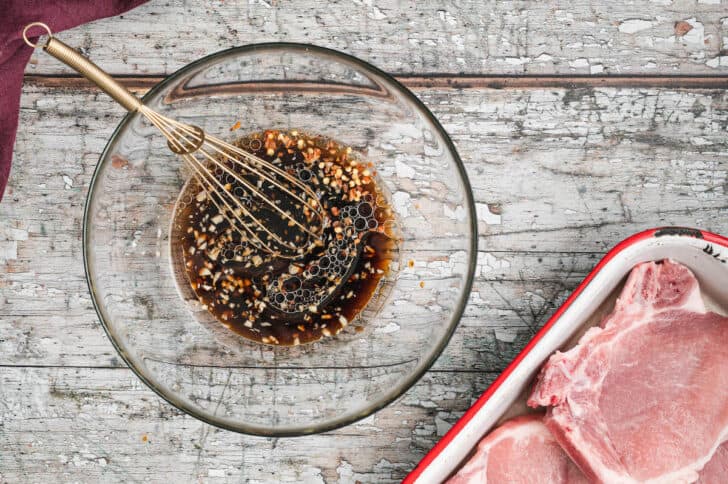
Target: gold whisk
[{"x": 251, "y": 189}]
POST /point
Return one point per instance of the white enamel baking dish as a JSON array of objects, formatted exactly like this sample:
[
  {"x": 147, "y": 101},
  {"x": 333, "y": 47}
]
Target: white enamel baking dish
[{"x": 705, "y": 253}]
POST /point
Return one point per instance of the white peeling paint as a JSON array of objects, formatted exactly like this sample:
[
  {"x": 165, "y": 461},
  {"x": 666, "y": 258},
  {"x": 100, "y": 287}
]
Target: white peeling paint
[
  {"x": 517, "y": 61},
  {"x": 376, "y": 14},
  {"x": 579, "y": 63},
  {"x": 8, "y": 250},
  {"x": 403, "y": 170},
  {"x": 346, "y": 473},
  {"x": 68, "y": 181},
  {"x": 716, "y": 62},
  {"x": 401, "y": 202},
  {"x": 488, "y": 263},
  {"x": 631, "y": 26},
  {"x": 389, "y": 328},
  {"x": 310, "y": 475},
  {"x": 506, "y": 335},
  {"x": 485, "y": 215},
  {"x": 696, "y": 36},
  {"x": 9, "y": 233},
  {"x": 441, "y": 426},
  {"x": 700, "y": 141},
  {"x": 458, "y": 214},
  {"x": 447, "y": 17},
  {"x": 458, "y": 41}
]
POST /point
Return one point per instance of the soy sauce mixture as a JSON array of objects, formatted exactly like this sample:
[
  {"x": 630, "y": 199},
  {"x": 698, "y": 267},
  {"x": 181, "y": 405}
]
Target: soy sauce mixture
[{"x": 284, "y": 301}]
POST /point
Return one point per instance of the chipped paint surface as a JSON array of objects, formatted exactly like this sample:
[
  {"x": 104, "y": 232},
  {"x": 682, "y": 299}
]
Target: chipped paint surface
[
  {"x": 559, "y": 176},
  {"x": 419, "y": 37},
  {"x": 631, "y": 26},
  {"x": 485, "y": 214}
]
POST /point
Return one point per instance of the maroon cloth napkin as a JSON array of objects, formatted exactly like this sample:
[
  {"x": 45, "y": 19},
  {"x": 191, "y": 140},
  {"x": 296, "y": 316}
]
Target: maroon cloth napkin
[{"x": 14, "y": 53}]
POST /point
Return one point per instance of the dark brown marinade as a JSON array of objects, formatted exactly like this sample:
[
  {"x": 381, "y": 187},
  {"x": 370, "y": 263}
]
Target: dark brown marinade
[{"x": 284, "y": 301}]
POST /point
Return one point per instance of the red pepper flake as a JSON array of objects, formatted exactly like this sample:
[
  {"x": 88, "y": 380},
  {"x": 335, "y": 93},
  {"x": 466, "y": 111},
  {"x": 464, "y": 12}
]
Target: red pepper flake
[{"x": 235, "y": 126}]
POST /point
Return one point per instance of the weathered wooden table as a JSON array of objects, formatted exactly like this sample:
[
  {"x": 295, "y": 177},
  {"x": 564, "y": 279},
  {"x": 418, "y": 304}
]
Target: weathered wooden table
[{"x": 603, "y": 120}]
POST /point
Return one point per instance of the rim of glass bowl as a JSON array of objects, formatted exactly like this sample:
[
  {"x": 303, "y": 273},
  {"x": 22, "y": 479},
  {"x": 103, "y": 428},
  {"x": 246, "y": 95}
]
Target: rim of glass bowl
[{"x": 406, "y": 384}]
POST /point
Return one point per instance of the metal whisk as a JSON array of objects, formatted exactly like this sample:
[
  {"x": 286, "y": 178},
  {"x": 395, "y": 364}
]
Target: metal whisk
[{"x": 271, "y": 208}]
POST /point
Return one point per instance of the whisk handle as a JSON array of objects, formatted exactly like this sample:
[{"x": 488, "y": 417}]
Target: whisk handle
[{"x": 87, "y": 69}]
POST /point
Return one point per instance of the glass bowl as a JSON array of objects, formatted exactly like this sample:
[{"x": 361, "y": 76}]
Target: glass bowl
[{"x": 195, "y": 363}]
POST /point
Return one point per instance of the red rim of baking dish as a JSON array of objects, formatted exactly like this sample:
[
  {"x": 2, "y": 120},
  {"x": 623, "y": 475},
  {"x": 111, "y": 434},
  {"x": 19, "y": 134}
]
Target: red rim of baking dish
[{"x": 481, "y": 401}]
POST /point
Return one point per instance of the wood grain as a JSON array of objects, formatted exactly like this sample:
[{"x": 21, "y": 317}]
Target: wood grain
[
  {"x": 560, "y": 175},
  {"x": 455, "y": 37},
  {"x": 568, "y": 174},
  {"x": 578, "y": 128},
  {"x": 103, "y": 425}
]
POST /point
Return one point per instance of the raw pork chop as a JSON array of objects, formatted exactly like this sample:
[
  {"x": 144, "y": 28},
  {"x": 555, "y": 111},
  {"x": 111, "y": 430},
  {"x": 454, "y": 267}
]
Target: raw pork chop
[
  {"x": 522, "y": 450},
  {"x": 644, "y": 397},
  {"x": 716, "y": 471}
]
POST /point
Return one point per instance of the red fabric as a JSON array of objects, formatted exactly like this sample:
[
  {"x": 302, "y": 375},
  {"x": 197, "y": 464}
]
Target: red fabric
[{"x": 14, "y": 53}]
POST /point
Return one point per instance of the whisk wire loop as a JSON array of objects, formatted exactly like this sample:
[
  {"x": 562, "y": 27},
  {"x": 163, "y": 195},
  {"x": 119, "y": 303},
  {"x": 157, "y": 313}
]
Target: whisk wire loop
[{"x": 189, "y": 141}]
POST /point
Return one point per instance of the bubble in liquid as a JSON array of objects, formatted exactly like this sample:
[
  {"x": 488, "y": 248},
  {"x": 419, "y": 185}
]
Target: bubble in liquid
[
  {"x": 372, "y": 224},
  {"x": 360, "y": 224},
  {"x": 324, "y": 262},
  {"x": 365, "y": 210},
  {"x": 305, "y": 175},
  {"x": 239, "y": 192},
  {"x": 256, "y": 144},
  {"x": 293, "y": 283}
]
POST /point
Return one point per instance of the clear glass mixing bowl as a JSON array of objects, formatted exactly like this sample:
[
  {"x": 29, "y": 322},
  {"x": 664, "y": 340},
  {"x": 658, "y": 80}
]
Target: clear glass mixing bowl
[{"x": 177, "y": 348}]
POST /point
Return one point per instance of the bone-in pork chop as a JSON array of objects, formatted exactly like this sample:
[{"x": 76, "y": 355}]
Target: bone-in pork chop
[
  {"x": 644, "y": 397},
  {"x": 522, "y": 450}
]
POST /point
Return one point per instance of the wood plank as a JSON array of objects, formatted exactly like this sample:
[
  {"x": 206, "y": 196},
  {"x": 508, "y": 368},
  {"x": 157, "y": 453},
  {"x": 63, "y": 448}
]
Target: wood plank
[
  {"x": 104, "y": 425},
  {"x": 467, "y": 37},
  {"x": 141, "y": 84},
  {"x": 560, "y": 175}
]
